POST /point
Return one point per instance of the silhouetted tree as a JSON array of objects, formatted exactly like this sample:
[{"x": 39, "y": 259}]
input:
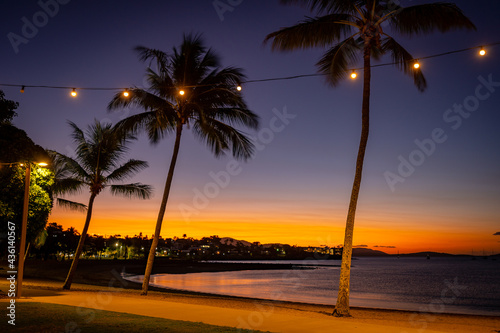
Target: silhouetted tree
[
  {"x": 354, "y": 28},
  {"x": 209, "y": 105},
  {"x": 95, "y": 167}
]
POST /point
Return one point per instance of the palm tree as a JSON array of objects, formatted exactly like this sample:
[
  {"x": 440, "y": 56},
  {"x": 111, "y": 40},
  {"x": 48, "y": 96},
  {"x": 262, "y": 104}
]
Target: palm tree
[
  {"x": 354, "y": 28},
  {"x": 188, "y": 88},
  {"x": 96, "y": 166}
]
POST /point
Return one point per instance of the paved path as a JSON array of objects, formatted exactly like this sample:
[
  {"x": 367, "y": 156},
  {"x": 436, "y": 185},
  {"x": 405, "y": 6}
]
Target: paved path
[{"x": 262, "y": 317}]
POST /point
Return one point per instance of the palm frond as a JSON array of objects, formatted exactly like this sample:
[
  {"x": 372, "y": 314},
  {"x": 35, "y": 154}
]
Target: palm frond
[
  {"x": 160, "y": 118},
  {"x": 312, "y": 32},
  {"x": 427, "y": 18},
  {"x": 127, "y": 170},
  {"x": 235, "y": 116},
  {"x": 69, "y": 167},
  {"x": 404, "y": 61},
  {"x": 159, "y": 56},
  {"x": 71, "y": 205},
  {"x": 64, "y": 186},
  {"x": 134, "y": 190},
  {"x": 220, "y": 137},
  {"x": 335, "y": 63}
]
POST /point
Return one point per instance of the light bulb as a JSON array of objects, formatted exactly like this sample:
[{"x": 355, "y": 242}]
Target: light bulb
[
  {"x": 238, "y": 88},
  {"x": 482, "y": 52},
  {"x": 354, "y": 75},
  {"x": 73, "y": 92},
  {"x": 182, "y": 92},
  {"x": 22, "y": 89},
  {"x": 416, "y": 65},
  {"x": 126, "y": 93}
]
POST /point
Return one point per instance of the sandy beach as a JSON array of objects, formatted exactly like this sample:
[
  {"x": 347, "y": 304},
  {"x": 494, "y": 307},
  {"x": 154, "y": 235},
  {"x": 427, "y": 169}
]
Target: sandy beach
[{"x": 245, "y": 313}]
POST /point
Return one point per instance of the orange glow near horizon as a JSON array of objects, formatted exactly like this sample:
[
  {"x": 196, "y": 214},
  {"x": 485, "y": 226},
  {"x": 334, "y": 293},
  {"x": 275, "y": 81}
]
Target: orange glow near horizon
[{"x": 389, "y": 235}]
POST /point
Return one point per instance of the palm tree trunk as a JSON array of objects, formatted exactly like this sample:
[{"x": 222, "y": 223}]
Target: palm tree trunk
[
  {"x": 79, "y": 248},
  {"x": 342, "y": 306},
  {"x": 161, "y": 213}
]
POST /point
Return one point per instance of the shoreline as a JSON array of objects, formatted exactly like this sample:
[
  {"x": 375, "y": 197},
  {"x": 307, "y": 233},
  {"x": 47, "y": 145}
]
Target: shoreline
[
  {"x": 378, "y": 320},
  {"x": 92, "y": 280}
]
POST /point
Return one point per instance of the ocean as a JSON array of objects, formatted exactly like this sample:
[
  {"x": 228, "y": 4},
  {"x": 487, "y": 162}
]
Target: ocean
[{"x": 438, "y": 285}]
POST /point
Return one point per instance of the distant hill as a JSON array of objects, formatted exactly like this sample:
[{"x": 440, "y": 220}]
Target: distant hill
[
  {"x": 234, "y": 242},
  {"x": 425, "y": 254},
  {"x": 364, "y": 252}
]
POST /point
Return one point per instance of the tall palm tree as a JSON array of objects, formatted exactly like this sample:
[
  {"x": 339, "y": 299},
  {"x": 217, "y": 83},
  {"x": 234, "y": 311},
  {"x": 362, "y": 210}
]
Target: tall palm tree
[
  {"x": 96, "y": 166},
  {"x": 188, "y": 88},
  {"x": 354, "y": 28}
]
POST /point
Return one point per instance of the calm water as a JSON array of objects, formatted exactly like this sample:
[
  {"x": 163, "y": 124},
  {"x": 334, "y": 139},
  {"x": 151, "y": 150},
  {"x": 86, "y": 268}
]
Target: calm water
[{"x": 453, "y": 285}]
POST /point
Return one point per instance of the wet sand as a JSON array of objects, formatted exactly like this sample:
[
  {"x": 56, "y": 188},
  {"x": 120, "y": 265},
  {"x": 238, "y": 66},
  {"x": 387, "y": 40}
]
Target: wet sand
[{"x": 105, "y": 290}]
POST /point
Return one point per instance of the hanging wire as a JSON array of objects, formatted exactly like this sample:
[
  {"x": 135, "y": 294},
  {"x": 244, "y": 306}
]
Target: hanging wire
[{"x": 126, "y": 90}]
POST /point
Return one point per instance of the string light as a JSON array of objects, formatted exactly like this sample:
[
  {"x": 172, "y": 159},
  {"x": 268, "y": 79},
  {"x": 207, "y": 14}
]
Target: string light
[{"x": 416, "y": 65}]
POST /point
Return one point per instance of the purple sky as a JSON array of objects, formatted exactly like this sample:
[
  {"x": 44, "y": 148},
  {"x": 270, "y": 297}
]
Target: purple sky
[{"x": 304, "y": 171}]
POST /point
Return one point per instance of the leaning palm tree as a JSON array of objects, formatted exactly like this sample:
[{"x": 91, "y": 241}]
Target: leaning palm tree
[
  {"x": 96, "y": 166},
  {"x": 187, "y": 88},
  {"x": 354, "y": 28}
]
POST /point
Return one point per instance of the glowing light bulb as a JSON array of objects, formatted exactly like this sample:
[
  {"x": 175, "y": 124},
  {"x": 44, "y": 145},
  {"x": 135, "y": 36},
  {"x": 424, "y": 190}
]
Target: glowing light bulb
[
  {"x": 126, "y": 93},
  {"x": 354, "y": 75},
  {"x": 182, "y": 92},
  {"x": 22, "y": 89},
  {"x": 482, "y": 52},
  {"x": 73, "y": 92},
  {"x": 238, "y": 88},
  {"x": 416, "y": 65}
]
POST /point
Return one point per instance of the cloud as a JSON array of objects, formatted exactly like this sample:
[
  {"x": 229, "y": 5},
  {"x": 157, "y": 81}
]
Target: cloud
[
  {"x": 496, "y": 233},
  {"x": 360, "y": 246},
  {"x": 386, "y": 246}
]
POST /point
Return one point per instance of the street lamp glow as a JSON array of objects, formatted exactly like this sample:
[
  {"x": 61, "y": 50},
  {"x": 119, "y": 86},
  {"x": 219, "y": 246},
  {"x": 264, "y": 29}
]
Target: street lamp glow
[
  {"x": 182, "y": 92},
  {"x": 42, "y": 164},
  {"x": 354, "y": 75},
  {"x": 126, "y": 93},
  {"x": 482, "y": 52},
  {"x": 416, "y": 65},
  {"x": 238, "y": 88},
  {"x": 73, "y": 92}
]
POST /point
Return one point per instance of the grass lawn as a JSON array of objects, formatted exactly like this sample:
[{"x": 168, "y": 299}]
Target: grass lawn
[{"x": 43, "y": 317}]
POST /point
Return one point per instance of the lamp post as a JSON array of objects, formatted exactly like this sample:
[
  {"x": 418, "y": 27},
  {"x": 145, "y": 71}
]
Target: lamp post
[
  {"x": 24, "y": 227},
  {"x": 24, "y": 224}
]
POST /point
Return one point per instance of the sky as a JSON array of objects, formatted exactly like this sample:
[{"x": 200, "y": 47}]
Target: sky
[{"x": 431, "y": 180}]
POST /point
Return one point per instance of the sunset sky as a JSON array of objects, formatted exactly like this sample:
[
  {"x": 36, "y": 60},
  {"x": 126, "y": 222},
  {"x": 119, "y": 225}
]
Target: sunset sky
[{"x": 296, "y": 189}]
